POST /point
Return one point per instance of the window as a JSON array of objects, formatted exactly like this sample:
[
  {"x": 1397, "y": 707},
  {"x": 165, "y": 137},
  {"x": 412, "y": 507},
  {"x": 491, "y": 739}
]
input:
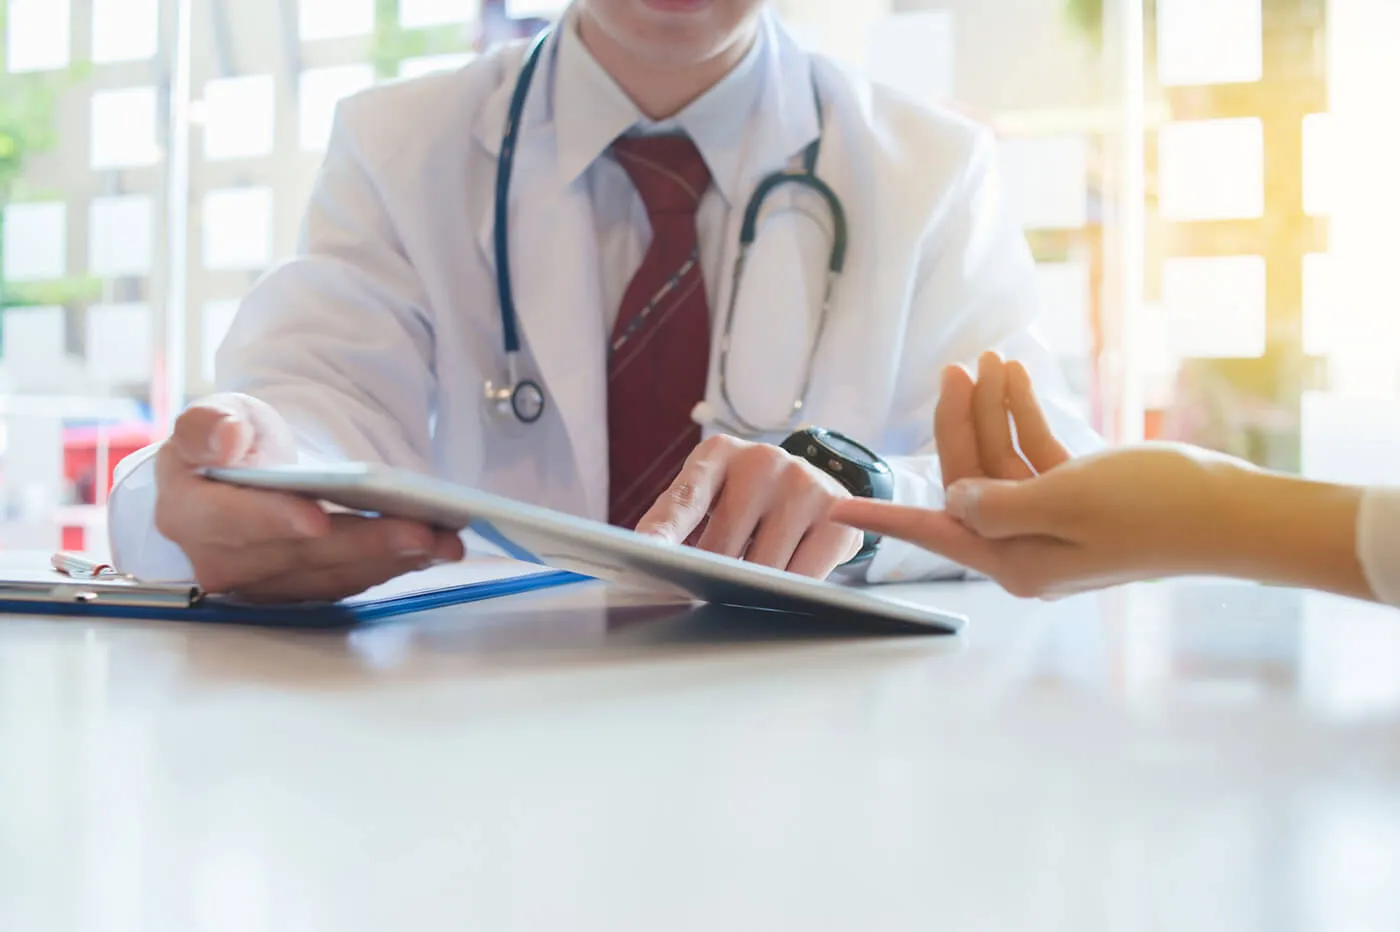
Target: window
[
  {"x": 125, "y": 30},
  {"x": 1209, "y": 41},
  {"x": 322, "y": 89},
  {"x": 124, "y": 128},
  {"x": 38, "y": 37},
  {"x": 36, "y": 242},
  {"x": 239, "y": 117},
  {"x": 418, "y": 14},
  {"x": 335, "y": 19},
  {"x": 1047, "y": 181},
  {"x": 1215, "y": 306},
  {"x": 237, "y": 225},
  {"x": 120, "y": 339},
  {"x": 121, "y": 236},
  {"x": 1212, "y": 169}
]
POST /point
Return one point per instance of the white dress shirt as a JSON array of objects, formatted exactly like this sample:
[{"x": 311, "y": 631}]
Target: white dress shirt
[
  {"x": 593, "y": 111},
  {"x": 1378, "y": 542}
]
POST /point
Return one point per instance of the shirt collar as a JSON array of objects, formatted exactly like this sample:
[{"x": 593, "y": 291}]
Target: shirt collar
[{"x": 591, "y": 111}]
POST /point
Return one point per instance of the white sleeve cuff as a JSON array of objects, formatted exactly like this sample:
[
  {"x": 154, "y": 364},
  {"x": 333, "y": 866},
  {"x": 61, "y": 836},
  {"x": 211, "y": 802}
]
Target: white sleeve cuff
[
  {"x": 138, "y": 549},
  {"x": 918, "y": 482},
  {"x": 1378, "y": 542}
]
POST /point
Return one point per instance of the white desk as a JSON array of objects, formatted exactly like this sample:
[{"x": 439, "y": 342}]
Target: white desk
[{"x": 1168, "y": 757}]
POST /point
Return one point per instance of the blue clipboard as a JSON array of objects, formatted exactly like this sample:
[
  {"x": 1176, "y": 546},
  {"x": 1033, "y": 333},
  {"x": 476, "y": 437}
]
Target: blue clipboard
[{"x": 181, "y": 604}]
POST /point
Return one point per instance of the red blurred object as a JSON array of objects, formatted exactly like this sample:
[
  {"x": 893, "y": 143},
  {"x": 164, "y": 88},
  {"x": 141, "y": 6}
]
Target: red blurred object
[
  {"x": 74, "y": 539},
  {"x": 80, "y": 457}
]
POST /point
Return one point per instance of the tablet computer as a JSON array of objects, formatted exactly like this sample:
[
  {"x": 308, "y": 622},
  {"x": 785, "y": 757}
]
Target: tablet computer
[{"x": 590, "y": 547}]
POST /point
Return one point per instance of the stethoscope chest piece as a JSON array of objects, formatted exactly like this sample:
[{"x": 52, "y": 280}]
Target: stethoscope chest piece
[{"x": 527, "y": 401}]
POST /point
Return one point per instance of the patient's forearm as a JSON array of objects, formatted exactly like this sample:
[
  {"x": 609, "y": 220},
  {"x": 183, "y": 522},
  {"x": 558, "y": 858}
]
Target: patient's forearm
[{"x": 1289, "y": 531}]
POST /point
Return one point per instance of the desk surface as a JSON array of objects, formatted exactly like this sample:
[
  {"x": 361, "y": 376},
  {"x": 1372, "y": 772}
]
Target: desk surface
[{"x": 1194, "y": 756}]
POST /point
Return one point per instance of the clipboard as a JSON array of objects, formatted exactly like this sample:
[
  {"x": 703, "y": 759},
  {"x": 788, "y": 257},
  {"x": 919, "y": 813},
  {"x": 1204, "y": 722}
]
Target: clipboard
[{"x": 420, "y": 592}]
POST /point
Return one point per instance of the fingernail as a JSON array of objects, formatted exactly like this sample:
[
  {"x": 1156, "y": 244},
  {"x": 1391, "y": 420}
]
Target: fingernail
[
  {"x": 409, "y": 545},
  {"x": 962, "y": 500}
]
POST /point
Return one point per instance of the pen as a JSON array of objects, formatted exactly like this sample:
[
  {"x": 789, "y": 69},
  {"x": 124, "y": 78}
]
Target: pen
[{"x": 77, "y": 567}]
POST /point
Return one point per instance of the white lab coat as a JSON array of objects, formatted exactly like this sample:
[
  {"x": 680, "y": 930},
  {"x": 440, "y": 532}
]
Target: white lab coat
[{"x": 376, "y": 341}]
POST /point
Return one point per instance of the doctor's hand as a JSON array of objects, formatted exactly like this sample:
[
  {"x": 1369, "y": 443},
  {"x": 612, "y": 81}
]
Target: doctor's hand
[
  {"x": 758, "y": 503},
  {"x": 1022, "y": 512},
  {"x": 269, "y": 546}
]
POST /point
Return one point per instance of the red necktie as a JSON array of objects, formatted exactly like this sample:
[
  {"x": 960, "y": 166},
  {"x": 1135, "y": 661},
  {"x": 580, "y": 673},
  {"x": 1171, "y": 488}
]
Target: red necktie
[{"x": 659, "y": 357}]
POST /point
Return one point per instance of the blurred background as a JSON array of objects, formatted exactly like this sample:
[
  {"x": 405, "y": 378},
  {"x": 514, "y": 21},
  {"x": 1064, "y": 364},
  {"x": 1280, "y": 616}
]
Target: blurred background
[{"x": 1211, "y": 188}]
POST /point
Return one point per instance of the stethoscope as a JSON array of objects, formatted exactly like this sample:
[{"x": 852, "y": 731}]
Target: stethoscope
[{"x": 524, "y": 399}]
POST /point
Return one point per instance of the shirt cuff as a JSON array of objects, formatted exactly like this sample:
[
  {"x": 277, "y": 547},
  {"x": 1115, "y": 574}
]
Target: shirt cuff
[
  {"x": 918, "y": 482},
  {"x": 138, "y": 549},
  {"x": 1378, "y": 542}
]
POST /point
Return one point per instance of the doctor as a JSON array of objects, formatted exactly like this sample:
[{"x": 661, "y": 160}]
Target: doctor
[{"x": 614, "y": 274}]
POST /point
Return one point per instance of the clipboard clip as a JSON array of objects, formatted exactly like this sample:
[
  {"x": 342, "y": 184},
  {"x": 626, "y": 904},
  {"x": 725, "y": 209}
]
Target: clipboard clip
[{"x": 76, "y": 593}]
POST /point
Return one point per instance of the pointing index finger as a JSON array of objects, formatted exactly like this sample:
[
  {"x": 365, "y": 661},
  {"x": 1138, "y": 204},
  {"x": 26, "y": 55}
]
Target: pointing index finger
[{"x": 683, "y": 506}]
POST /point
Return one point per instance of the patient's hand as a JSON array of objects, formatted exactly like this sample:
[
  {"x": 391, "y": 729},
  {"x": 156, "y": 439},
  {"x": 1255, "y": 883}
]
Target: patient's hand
[{"x": 1021, "y": 511}]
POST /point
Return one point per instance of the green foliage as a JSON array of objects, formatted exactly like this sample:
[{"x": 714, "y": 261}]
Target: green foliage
[
  {"x": 393, "y": 44},
  {"x": 27, "y": 103},
  {"x": 1087, "y": 15}
]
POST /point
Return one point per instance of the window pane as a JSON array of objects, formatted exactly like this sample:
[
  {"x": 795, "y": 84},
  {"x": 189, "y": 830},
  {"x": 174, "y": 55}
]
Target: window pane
[
  {"x": 1047, "y": 180},
  {"x": 37, "y": 36},
  {"x": 120, "y": 338},
  {"x": 35, "y": 348},
  {"x": 914, "y": 53},
  {"x": 239, "y": 117},
  {"x": 237, "y": 225},
  {"x": 431, "y": 64},
  {"x": 125, "y": 30},
  {"x": 1215, "y": 306},
  {"x": 36, "y": 242},
  {"x": 124, "y": 128},
  {"x": 1212, "y": 170},
  {"x": 1209, "y": 41},
  {"x": 1323, "y": 329},
  {"x": 416, "y": 14},
  {"x": 1066, "y": 293},
  {"x": 542, "y": 9},
  {"x": 217, "y": 318},
  {"x": 120, "y": 236},
  {"x": 321, "y": 90},
  {"x": 1351, "y": 438},
  {"x": 334, "y": 19},
  {"x": 1319, "y": 164}
]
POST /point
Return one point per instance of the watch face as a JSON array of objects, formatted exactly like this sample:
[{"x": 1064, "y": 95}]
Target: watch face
[{"x": 848, "y": 449}]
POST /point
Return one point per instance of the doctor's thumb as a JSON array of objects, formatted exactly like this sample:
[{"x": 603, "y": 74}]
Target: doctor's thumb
[
  {"x": 212, "y": 436},
  {"x": 998, "y": 510}
]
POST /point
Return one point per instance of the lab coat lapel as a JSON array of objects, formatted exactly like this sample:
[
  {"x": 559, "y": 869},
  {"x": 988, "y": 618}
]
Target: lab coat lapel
[{"x": 554, "y": 271}]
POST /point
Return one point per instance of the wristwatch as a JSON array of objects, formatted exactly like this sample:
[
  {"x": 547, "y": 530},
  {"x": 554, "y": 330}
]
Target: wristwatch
[{"x": 856, "y": 467}]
